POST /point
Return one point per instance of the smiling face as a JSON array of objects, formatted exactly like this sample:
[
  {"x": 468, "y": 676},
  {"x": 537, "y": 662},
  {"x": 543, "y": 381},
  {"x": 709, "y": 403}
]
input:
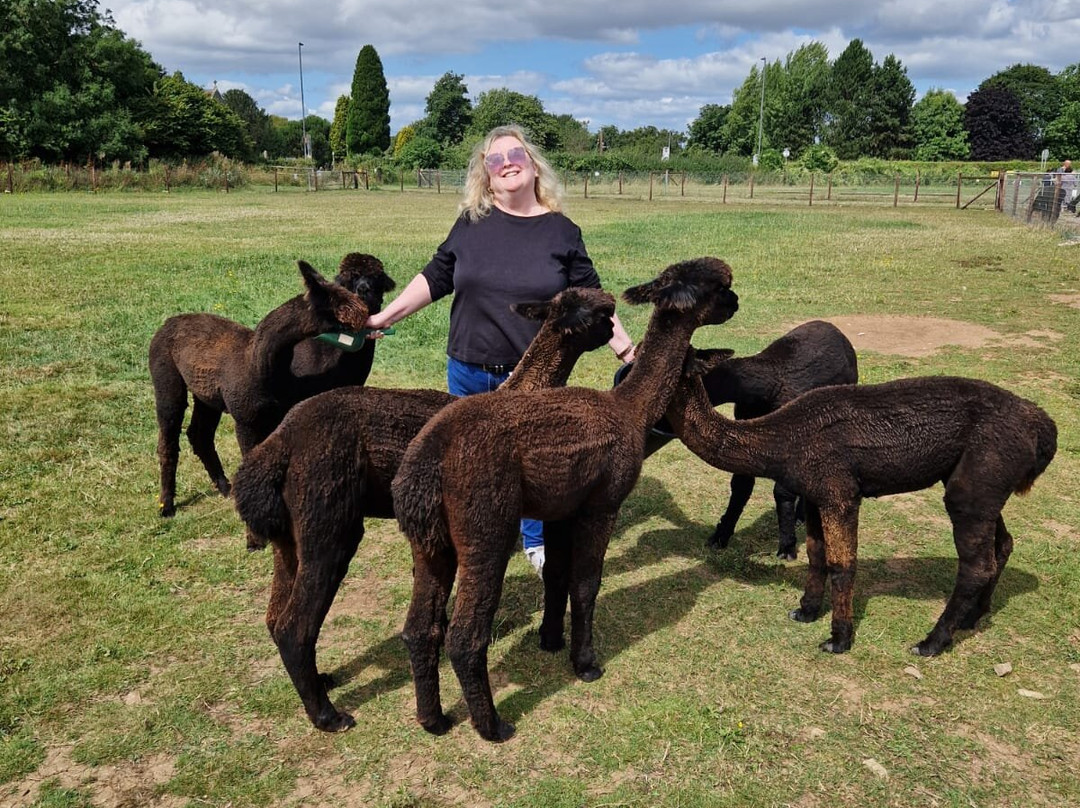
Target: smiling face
[{"x": 510, "y": 169}]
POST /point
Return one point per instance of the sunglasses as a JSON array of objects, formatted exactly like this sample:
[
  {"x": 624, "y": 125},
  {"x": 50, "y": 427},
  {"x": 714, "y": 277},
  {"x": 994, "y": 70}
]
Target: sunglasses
[{"x": 517, "y": 156}]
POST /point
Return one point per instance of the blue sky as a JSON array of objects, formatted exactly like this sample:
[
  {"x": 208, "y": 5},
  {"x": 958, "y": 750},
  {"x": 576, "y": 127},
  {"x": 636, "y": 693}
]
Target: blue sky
[{"x": 628, "y": 64}]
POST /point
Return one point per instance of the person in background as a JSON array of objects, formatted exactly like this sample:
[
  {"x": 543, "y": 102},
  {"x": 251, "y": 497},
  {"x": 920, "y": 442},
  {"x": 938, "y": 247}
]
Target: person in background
[{"x": 511, "y": 243}]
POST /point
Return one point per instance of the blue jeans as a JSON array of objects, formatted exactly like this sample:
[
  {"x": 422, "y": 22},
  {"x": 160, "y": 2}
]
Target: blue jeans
[{"x": 464, "y": 379}]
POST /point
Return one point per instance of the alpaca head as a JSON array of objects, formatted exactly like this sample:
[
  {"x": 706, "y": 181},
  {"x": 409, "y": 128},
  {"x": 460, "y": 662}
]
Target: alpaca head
[
  {"x": 701, "y": 286},
  {"x": 583, "y": 315},
  {"x": 365, "y": 276},
  {"x": 332, "y": 301}
]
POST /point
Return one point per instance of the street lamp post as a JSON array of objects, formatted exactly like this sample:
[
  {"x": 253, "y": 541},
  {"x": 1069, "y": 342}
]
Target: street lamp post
[
  {"x": 761, "y": 114},
  {"x": 303, "y": 107}
]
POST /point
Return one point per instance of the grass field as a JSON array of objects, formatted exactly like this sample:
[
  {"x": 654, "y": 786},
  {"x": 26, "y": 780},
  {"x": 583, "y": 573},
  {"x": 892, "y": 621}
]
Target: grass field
[{"x": 134, "y": 665}]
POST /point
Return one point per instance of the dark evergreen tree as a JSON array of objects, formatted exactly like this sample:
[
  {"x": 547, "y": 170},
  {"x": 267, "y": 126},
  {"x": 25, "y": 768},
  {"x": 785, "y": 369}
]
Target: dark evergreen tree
[
  {"x": 367, "y": 127},
  {"x": 996, "y": 126},
  {"x": 448, "y": 111},
  {"x": 337, "y": 127},
  {"x": 891, "y": 98},
  {"x": 847, "y": 129}
]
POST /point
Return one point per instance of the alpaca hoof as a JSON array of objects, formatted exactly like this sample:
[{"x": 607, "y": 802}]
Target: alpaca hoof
[
  {"x": 504, "y": 731},
  {"x": 835, "y": 646},
  {"x": 440, "y": 726},
  {"x": 803, "y": 616},
  {"x": 590, "y": 673},
  {"x": 927, "y": 648},
  {"x": 720, "y": 538},
  {"x": 223, "y": 487},
  {"x": 787, "y": 555},
  {"x": 166, "y": 508},
  {"x": 334, "y": 722}
]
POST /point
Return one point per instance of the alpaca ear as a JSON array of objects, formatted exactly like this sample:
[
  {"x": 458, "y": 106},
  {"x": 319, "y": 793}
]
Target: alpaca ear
[
  {"x": 700, "y": 362},
  {"x": 536, "y": 310},
  {"x": 332, "y": 300},
  {"x": 640, "y": 294},
  {"x": 312, "y": 279}
]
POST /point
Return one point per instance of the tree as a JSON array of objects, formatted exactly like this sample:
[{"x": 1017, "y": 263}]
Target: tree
[
  {"x": 501, "y": 107},
  {"x": 890, "y": 101},
  {"x": 573, "y": 136},
  {"x": 256, "y": 121},
  {"x": 184, "y": 122},
  {"x": 420, "y": 152},
  {"x": 1063, "y": 134},
  {"x": 937, "y": 126},
  {"x": 337, "y": 127},
  {"x": 707, "y": 130},
  {"x": 847, "y": 129},
  {"x": 795, "y": 98},
  {"x": 1038, "y": 91},
  {"x": 741, "y": 123},
  {"x": 367, "y": 127},
  {"x": 71, "y": 85},
  {"x": 448, "y": 111},
  {"x": 996, "y": 126}
]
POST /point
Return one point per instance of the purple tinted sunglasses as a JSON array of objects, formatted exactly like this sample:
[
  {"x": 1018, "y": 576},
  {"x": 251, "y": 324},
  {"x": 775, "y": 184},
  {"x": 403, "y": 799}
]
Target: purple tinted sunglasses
[{"x": 517, "y": 156}]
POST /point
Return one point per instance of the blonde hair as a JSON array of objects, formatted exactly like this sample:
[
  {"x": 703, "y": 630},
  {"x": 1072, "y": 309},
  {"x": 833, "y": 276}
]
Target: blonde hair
[{"x": 478, "y": 200}]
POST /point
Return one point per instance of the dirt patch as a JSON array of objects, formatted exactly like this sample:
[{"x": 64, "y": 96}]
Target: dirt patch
[
  {"x": 1072, "y": 300},
  {"x": 922, "y": 336}
]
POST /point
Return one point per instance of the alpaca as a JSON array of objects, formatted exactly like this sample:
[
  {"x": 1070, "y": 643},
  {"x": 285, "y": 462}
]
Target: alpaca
[
  {"x": 814, "y": 354},
  {"x": 569, "y": 457},
  {"x": 317, "y": 366},
  {"x": 307, "y": 488},
  {"x": 835, "y": 445},
  {"x": 230, "y": 368}
]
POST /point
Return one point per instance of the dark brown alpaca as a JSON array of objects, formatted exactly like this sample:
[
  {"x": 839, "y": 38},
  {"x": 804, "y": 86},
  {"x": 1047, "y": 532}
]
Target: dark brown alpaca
[
  {"x": 569, "y": 457},
  {"x": 227, "y": 367},
  {"x": 318, "y": 366},
  {"x": 836, "y": 445},
  {"x": 811, "y": 355},
  {"x": 307, "y": 488}
]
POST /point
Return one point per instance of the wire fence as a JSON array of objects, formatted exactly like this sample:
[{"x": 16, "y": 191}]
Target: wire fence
[{"x": 1042, "y": 198}]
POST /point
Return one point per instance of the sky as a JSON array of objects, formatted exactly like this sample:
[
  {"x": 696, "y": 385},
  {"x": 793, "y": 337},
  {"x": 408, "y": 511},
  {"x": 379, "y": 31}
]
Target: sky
[{"x": 625, "y": 63}]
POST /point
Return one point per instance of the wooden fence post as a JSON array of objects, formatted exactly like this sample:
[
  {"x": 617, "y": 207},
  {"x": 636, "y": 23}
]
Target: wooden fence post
[
  {"x": 226, "y": 180},
  {"x": 811, "y": 191},
  {"x": 751, "y": 184},
  {"x": 682, "y": 185},
  {"x": 1016, "y": 192},
  {"x": 828, "y": 195},
  {"x": 586, "y": 184},
  {"x": 650, "y": 185},
  {"x": 620, "y": 183},
  {"x": 999, "y": 198},
  {"x": 959, "y": 185},
  {"x": 401, "y": 181},
  {"x": 438, "y": 181},
  {"x": 896, "y": 191},
  {"x": 723, "y": 200},
  {"x": 918, "y": 177}
]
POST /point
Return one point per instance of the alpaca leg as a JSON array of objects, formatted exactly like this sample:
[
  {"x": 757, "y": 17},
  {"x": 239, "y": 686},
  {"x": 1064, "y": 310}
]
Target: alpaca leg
[
  {"x": 281, "y": 585},
  {"x": 786, "y": 517},
  {"x": 1003, "y": 544},
  {"x": 469, "y": 634},
  {"x": 976, "y": 574},
  {"x": 742, "y": 487},
  {"x": 425, "y": 627},
  {"x": 201, "y": 431},
  {"x": 589, "y": 542},
  {"x": 557, "y": 548},
  {"x": 297, "y": 628},
  {"x": 814, "y": 591},
  {"x": 840, "y": 529},
  {"x": 170, "y": 401}
]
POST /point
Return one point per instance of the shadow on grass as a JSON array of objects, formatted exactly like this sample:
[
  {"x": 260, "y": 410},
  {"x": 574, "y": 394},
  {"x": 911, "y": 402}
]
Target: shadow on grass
[{"x": 645, "y": 607}]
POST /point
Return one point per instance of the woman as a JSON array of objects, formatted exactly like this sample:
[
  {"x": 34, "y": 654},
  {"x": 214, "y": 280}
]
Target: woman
[{"x": 510, "y": 244}]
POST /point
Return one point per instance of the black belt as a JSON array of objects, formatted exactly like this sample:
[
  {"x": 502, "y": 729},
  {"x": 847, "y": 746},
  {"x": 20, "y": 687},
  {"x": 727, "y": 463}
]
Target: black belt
[{"x": 497, "y": 370}]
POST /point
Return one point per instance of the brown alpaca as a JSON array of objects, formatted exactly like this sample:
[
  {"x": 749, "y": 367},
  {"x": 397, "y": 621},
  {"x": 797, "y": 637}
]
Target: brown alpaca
[
  {"x": 836, "y": 445},
  {"x": 307, "y": 488},
  {"x": 569, "y": 457},
  {"x": 318, "y": 366},
  {"x": 814, "y": 354},
  {"x": 230, "y": 368}
]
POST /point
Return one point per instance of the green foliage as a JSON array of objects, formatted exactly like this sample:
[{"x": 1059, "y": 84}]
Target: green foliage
[
  {"x": 256, "y": 121},
  {"x": 419, "y": 152},
  {"x": 849, "y": 102},
  {"x": 500, "y": 107},
  {"x": 185, "y": 121},
  {"x": 937, "y": 124},
  {"x": 890, "y": 102},
  {"x": 1063, "y": 134},
  {"x": 818, "y": 158},
  {"x": 337, "y": 127},
  {"x": 707, "y": 129},
  {"x": 572, "y": 135},
  {"x": 447, "y": 111},
  {"x": 367, "y": 127},
  {"x": 740, "y": 131},
  {"x": 795, "y": 106}
]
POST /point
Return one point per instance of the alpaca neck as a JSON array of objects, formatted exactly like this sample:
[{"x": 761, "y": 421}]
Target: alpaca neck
[
  {"x": 739, "y": 447},
  {"x": 741, "y": 380},
  {"x": 547, "y": 363},
  {"x": 648, "y": 387},
  {"x": 271, "y": 347}
]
